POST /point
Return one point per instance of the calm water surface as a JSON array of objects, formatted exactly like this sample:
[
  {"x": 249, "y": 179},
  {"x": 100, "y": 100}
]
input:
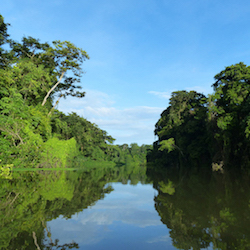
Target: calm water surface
[
  {"x": 125, "y": 219},
  {"x": 124, "y": 207}
]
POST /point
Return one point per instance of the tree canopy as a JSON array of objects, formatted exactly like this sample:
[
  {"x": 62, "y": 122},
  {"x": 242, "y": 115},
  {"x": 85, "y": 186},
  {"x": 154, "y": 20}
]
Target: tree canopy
[{"x": 214, "y": 128}]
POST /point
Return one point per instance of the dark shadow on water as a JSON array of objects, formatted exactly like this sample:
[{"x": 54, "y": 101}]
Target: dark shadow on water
[{"x": 202, "y": 207}]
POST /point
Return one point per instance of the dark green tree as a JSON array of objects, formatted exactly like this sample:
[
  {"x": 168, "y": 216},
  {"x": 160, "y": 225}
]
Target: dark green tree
[
  {"x": 3, "y": 40},
  {"x": 182, "y": 127},
  {"x": 229, "y": 109}
]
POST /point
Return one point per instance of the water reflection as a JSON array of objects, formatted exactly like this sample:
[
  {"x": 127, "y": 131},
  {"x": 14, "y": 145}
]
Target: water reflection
[
  {"x": 123, "y": 208},
  {"x": 67, "y": 210},
  {"x": 204, "y": 209},
  {"x": 30, "y": 199},
  {"x": 126, "y": 218}
]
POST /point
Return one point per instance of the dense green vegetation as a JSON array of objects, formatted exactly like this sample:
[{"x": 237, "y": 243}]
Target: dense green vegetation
[
  {"x": 30, "y": 199},
  {"x": 195, "y": 134},
  {"x": 198, "y": 134},
  {"x": 34, "y": 76},
  {"x": 215, "y": 129}
]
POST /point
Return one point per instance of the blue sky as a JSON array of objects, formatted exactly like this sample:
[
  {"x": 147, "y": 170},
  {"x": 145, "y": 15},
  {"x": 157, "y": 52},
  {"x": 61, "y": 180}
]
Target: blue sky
[{"x": 140, "y": 51}]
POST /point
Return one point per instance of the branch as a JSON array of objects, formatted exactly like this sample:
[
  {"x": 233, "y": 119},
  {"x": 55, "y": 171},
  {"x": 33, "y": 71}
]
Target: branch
[
  {"x": 55, "y": 105},
  {"x": 35, "y": 240},
  {"x": 179, "y": 150},
  {"x": 48, "y": 233},
  {"x": 46, "y": 97},
  {"x": 15, "y": 135},
  {"x": 14, "y": 199}
]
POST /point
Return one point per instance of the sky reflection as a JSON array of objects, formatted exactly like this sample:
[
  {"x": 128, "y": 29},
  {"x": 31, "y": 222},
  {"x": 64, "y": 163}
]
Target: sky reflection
[{"x": 124, "y": 219}]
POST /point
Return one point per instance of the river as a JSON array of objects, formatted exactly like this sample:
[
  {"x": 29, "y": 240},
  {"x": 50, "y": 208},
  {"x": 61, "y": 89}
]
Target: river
[{"x": 123, "y": 208}]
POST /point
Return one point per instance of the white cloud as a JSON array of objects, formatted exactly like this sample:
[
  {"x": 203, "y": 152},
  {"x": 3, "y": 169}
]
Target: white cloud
[
  {"x": 200, "y": 89},
  {"x": 165, "y": 95},
  {"x": 127, "y": 125}
]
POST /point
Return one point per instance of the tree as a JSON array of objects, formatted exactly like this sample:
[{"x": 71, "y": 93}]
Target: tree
[
  {"x": 28, "y": 79},
  {"x": 3, "y": 30},
  {"x": 62, "y": 60},
  {"x": 90, "y": 139},
  {"x": 183, "y": 122},
  {"x": 231, "y": 108},
  {"x": 167, "y": 144},
  {"x": 3, "y": 40}
]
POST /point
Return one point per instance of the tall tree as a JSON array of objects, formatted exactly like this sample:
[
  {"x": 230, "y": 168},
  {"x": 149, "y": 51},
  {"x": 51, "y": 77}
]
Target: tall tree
[
  {"x": 182, "y": 128},
  {"x": 231, "y": 107},
  {"x": 3, "y": 40},
  {"x": 63, "y": 61}
]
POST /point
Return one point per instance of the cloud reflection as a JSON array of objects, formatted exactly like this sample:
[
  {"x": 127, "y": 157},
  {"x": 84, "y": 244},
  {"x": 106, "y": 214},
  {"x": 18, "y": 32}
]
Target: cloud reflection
[{"x": 127, "y": 206}]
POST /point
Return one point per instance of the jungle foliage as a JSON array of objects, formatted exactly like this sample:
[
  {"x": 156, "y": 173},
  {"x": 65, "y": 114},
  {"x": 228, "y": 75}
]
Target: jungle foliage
[
  {"x": 34, "y": 76},
  {"x": 199, "y": 129}
]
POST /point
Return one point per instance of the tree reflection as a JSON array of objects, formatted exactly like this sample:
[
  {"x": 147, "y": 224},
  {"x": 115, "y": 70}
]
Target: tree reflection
[
  {"x": 203, "y": 209},
  {"x": 30, "y": 199}
]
